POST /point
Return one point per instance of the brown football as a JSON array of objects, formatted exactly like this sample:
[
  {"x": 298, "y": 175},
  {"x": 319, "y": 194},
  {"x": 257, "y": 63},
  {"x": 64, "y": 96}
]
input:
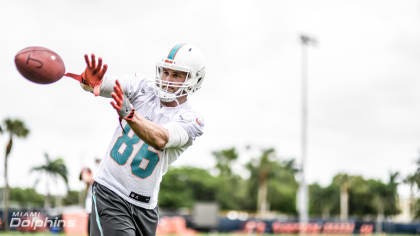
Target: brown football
[{"x": 40, "y": 65}]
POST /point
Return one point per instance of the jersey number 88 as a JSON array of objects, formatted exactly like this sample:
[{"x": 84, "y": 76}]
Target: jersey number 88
[{"x": 144, "y": 154}]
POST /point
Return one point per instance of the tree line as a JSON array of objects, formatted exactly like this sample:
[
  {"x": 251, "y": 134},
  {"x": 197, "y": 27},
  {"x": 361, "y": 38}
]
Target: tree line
[{"x": 272, "y": 185}]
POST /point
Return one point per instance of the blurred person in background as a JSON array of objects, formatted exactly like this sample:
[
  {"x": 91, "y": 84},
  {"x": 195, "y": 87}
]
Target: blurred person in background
[{"x": 86, "y": 176}]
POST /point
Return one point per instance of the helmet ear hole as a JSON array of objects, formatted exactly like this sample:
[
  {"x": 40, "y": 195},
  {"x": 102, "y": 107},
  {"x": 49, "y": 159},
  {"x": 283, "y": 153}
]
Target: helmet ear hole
[{"x": 159, "y": 70}]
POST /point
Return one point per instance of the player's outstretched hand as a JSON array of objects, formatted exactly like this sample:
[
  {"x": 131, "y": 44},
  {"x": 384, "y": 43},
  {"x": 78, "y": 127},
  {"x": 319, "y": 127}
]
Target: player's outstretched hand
[
  {"x": 94, "y": 73},
  {"x": 121, "y": 103},
  {"x": 91, "y": 78}
]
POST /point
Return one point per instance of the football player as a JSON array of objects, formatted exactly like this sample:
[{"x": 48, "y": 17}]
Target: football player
[
  {"x": 156, "y": 125},
  {"x": 86, "y": 176}
]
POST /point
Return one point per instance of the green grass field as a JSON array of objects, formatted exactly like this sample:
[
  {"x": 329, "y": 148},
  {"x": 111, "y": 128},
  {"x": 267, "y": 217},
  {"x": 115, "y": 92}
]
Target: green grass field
[{"x": 50, "y": 234}]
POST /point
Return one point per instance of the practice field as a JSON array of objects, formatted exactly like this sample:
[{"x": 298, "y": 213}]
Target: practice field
[{"x": 50, "y": 234}]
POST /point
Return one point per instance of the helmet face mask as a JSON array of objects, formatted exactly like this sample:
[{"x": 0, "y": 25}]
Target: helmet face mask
[
  {"x": 184, "y": 58},
  {"x": 168, "y": 91}
]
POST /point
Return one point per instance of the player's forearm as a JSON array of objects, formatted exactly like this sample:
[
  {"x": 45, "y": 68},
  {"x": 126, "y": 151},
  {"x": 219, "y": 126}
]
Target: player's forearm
[
  {"x": 105, "y": 89},
  {"x": 107, "y": 86},
  {"x": 151, "y": 133}
]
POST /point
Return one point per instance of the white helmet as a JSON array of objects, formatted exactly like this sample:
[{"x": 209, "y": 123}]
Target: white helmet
[{"x": 186, "y": 58}]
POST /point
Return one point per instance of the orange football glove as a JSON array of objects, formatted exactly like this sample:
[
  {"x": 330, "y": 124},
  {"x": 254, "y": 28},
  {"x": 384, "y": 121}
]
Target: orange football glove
[
  {"x": 121, "y": 103},
  {"x": 93, "y": 74}
]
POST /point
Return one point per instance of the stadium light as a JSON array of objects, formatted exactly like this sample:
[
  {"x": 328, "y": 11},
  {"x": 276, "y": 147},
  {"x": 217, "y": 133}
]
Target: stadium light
[{"x": 306, "y": 41}]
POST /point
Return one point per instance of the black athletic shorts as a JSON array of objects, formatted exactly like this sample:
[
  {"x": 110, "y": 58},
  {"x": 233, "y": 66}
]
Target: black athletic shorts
[{"x": 112, "y": 215}]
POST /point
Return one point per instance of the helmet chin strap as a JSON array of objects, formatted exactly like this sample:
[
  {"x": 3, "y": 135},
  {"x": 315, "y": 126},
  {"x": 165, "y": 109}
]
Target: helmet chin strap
[
  {"x": 169, "y": 97},
  {"x": 176, "y": 100},
  {"x": 166, "y": 97}
]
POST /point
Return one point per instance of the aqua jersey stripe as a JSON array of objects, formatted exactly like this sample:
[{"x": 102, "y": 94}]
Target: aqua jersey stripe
[
  {"x": 174, "y": 50},
  {"x": 96, "y": 212}
]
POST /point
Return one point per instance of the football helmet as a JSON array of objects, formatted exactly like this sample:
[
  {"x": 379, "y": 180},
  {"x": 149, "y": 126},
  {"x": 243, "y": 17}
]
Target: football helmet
[{"x": 182, "y": 57}]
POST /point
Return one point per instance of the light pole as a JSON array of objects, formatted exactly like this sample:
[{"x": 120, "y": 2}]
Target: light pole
[{"x": 305, "y": 41}]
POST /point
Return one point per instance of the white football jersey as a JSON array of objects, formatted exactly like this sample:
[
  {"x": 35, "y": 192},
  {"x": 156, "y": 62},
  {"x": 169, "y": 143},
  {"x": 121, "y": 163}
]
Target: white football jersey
[{"x": 133, "y": 169}]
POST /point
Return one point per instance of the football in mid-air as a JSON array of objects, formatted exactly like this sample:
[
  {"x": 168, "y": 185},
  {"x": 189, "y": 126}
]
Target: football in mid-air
[{"x": 40, "y": 65}]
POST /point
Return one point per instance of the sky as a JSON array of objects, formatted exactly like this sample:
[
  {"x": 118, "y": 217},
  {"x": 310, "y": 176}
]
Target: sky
[{"x": 363, "y": 79}]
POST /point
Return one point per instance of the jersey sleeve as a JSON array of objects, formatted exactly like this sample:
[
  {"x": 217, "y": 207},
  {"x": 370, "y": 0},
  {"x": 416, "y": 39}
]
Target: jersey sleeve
[
  {"x": 132, "y": 86},
  {"x": 184, "y": 129}
]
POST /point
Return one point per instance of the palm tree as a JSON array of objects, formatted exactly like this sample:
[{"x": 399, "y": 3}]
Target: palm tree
[
  {"x": 270, "y": 175},
  {"x": 262, "y": 172},
  {"x": 345, "y": 183},
  {"x": 263, "y": 169},
  {"x": 52, "y": 169},
  {"x": 15, "y": 128},
  {"x": 385, "y": 198},
  {"x": 323, "y": 200},
  {"x": 411, "y": 181},
  {"x": 224, "y": 160},
  {"x": 414, "y": 181}
]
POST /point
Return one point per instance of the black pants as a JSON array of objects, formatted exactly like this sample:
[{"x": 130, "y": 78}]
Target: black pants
[{"x": 111, "y": 215}]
